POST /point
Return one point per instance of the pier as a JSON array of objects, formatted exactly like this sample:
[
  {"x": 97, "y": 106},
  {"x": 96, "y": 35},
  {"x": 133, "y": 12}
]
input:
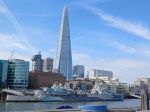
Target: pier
[
  {"x": 78, "y": 110},
  {"x": 3, "y": 95},
  {"x": 136, "y": 96}
]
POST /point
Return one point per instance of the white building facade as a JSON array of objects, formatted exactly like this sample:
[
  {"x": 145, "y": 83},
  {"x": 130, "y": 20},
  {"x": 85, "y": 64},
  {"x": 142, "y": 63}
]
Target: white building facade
[
  {"x": 99, "y": 73},
  {"x": 47, "y": 64}
]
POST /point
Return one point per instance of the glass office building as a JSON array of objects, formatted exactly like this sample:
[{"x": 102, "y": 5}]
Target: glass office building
[
  {"x": 3, "y": 73},
  {"x": 63, "y": 62},
  {"x": 18, "y": 72},
  {"x": 78, "y": 71}
]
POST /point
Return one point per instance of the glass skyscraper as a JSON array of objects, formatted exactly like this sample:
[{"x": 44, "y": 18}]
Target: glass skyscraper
[
  {"x": 18, "y": 72},
  {"x": 78, "y": 71},
  {"x": 63, "y": 62},
  {"x": 3, "y": 73}
]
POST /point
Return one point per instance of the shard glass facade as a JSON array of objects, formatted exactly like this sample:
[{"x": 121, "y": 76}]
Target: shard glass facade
[{"x": 63, "y": 62}]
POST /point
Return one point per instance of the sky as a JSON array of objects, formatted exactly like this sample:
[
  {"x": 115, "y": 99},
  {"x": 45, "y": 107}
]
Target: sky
[{"x": 111, "y": 35}]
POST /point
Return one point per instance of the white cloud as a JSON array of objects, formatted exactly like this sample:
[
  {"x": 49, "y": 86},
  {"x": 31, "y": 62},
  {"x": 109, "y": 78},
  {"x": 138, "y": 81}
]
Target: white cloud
[
  {"x": 139, "y": 49},
  {"x": 124, "y": 47},
  {"x": 135, "y": 28},
  {"x": 127, "y": 70},
  {"x": 49, "y": 53},
  {"x": 36, "y": 30},
  {"x": 91, "y": 2},
  {"x": 11, "y": 41},
  {"x": 7, "y": 54},
  {"x": 52, "y": 50},
  {"x": 78, "y": 38},
  {"x": 4, "y": 10}
]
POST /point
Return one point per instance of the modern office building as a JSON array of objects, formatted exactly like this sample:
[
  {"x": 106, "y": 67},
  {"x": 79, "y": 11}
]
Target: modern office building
[
  {"x": 63, "y": 62},
  {"x": 18, "y": 72},
  {"x": 78, "y": 71},
  {"x": 99, "y": 73},
  {"x": 37, "y": 62},
  {"x": 3, "y": 73},
  {"x": 47, "y": 64}
]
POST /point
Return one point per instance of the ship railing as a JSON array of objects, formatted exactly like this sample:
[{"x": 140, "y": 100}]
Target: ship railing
[{"x": 12, "y": 91}]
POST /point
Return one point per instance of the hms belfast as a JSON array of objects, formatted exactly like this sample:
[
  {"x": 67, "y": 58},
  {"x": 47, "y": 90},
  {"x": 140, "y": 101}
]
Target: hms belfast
[{"x": 59, "y": 93}]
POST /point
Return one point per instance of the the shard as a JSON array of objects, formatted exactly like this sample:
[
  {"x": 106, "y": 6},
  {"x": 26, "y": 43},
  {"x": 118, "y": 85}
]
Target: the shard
[{"x": 63, "y": 62}]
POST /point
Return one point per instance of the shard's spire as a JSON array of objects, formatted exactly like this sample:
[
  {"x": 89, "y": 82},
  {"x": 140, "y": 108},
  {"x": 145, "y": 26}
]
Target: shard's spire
[{"x": 63, "y": 62}]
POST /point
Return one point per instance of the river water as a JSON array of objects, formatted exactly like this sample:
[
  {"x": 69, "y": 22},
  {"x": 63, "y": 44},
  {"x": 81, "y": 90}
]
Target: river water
[{"x": 28, "y": 106}]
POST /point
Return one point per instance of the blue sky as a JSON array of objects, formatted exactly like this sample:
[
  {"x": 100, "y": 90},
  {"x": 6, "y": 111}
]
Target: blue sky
[{"x": 105, "y": 34}]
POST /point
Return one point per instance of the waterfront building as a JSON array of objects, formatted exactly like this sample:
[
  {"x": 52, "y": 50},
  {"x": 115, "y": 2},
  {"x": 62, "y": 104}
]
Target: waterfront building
[
  {"x": 123, "y": 88},
  {"x": 3, "y": 73},
  {"x": 78, "y": 71},
  {"x": 44, "y": 79},
  {"x": 47, "y": 64},
  {"x": 63, "y": 62},
  {"x": 143, "y": 83},
  {"x": 111, "y": 83},
  {"x": 37, "y": 62},
  {"x": 99, "y": 73},
  {"x": 115, "y": 79},
  {"x": 18, "y": 72},
  {"x": 114, "y": 85}
]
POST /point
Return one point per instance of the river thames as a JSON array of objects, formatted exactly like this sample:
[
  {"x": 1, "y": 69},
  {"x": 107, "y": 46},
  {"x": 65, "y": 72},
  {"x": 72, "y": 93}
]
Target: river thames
[{"x": 28, "y": 106}]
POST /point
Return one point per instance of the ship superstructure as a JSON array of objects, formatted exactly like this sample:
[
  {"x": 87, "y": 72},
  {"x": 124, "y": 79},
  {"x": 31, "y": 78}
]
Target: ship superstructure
[{"x": 61, "y": 93}]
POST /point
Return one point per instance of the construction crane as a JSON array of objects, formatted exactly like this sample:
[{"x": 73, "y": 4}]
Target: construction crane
[{"x": 12, "y": 54}]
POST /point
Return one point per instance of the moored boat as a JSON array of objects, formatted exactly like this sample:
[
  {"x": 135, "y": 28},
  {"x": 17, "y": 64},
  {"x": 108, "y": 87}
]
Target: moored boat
[{"x": 60, "y": 93}]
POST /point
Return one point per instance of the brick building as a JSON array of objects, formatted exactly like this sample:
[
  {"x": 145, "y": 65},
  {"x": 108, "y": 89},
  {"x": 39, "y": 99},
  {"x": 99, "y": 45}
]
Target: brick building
[{"x": 44, "y": 79}]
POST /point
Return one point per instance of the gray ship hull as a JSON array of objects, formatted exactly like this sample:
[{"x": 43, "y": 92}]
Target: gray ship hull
[{"x": 49, "y": 98}]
